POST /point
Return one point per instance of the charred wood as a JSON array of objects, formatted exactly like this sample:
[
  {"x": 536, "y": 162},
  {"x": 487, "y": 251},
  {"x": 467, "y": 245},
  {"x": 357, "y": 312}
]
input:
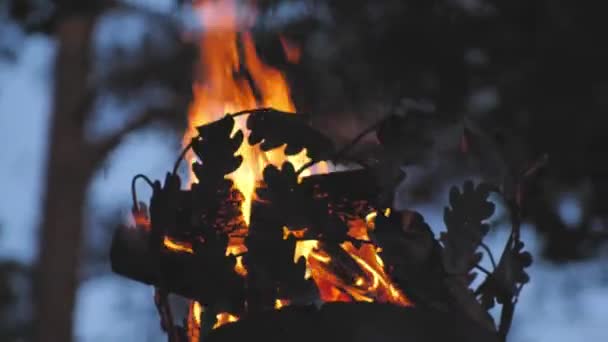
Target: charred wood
[
  {"x": 357, "y": 322},
  {"x": 184, "y": 274}
]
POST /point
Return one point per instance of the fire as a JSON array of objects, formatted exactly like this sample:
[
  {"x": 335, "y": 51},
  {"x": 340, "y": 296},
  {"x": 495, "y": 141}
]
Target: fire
[
  {"x": 232, "y": 78},
  {"x": 373, "y": 285},
  {"x": 223, "y": 87}
]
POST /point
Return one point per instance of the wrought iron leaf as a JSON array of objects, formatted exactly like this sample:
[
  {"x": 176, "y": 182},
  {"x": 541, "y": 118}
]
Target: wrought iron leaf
[
  {"x": 163, "y": 207},
  {"x": 466, "y": 302},
  {"x": 412, "y": 254},
  {"x": 282, "y": 189},
  {"x": 273, "y": 128},
  {"x": 216, "y": 149},
  {"x": 510, "y": 274},
  {"x": 280, "y": 183},
  {"x": 465, "y": 226},
  {"x": 272, "y": 272}
]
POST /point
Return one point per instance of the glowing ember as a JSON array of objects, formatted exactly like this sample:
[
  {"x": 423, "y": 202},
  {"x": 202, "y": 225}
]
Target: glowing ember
[
  {"x": 177, "y": 246},
  {"x": 224, "y": 318},
  {"x": 194, "y": 321},
  {"x": 375, "y": 286},
  {"x": 378, "y": 284},
  {"x": 369, "y": 220},
  {"x": 298, "y": 234},
  {"x": 141, "y": 220},
  {"x": 195, "y": 316},
  {"x": 239, "y": 267},
  {"x": 280, "y": 303}
]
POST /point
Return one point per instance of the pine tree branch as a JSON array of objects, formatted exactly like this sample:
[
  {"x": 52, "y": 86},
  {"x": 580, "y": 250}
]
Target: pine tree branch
[{"x": 103, "y": 148}]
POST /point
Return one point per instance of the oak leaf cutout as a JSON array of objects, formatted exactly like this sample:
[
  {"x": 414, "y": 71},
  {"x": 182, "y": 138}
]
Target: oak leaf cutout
[{"x": 273, "y": 128}]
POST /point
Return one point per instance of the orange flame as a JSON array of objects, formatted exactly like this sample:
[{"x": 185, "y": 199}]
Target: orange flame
[
  {"x": 376, "y": 285},
  {"x": 224, "y": 88},
  {"x": 232, "y": 78}
]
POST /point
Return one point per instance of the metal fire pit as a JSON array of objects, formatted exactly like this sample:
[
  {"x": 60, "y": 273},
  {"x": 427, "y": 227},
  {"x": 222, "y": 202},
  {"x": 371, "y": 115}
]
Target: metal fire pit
[
  {"x": 401, "y": 262},
  {"x": 353, "y": 322}
]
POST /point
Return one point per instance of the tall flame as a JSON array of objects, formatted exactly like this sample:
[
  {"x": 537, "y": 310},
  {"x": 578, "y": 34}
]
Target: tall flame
[
  {"x": 228, "y": 73},
  {"x": 232, "y": 78}
]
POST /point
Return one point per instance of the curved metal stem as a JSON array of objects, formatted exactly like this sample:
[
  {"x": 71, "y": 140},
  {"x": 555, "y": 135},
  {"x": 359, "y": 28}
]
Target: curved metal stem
[{"x": 134, "y": 191}]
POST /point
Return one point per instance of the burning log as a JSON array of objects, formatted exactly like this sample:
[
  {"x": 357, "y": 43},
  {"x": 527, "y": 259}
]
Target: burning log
[
  {"x": 190, "y": 275},
  {"x": 190, "y": 270},
  {"x": 347, "y": 187}
]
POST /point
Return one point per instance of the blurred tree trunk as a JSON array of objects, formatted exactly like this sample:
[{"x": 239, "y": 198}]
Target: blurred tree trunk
[
  {"x": 71, "y": 163},
  {"x": 69, "y": 169}
]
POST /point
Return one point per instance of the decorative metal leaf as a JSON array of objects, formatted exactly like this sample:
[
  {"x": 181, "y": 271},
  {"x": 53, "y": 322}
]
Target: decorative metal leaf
[
  {"x": 412, "y": 254},
  {"x": 214, "y": 204},
  {"x": 281, "y": 188},
  {"x": 163, "y": 207},
  {"x": 465, "y": 227},
  {"x": 465, "y": 302},
  {"x": 509, "y": 275},
  {"x": 273, "y": 128},
  {"x": 216, "y": 149},
  {"x": 272, "y": 272}
]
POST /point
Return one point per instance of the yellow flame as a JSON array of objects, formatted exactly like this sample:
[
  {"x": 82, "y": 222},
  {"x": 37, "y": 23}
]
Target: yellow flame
[
  {"x": 375, "y": 286},
  {"x": 222, "y": 88},
  {"x": 227, "y": 51}
]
